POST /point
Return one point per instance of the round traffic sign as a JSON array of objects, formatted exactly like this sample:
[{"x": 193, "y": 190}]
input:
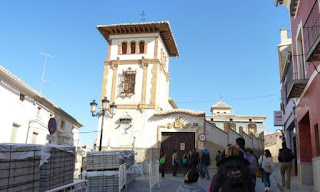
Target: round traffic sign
[
  {"x": 202, "y": 137},
  {"x": 52, "y": 125}
]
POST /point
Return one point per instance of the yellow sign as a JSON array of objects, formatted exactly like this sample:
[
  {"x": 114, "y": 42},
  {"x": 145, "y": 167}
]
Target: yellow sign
[{"x": 182, "y": 146}]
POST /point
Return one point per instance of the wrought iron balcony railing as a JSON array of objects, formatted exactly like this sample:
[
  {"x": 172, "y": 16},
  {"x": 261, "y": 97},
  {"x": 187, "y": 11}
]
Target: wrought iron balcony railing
[
  {"x": 311, "y": 32},
  {"x": 295, "y": 81}
]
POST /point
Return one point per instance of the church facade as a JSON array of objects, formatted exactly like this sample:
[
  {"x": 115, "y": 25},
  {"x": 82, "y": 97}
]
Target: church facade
[{"x": 136, "y": 78}]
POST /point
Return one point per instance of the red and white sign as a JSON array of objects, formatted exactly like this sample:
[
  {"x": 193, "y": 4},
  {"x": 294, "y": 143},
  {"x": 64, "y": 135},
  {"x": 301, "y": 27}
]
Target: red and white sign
[{"x": 202, "y": 137}]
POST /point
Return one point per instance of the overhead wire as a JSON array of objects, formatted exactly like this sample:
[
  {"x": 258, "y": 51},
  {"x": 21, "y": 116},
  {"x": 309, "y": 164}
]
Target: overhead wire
[{"x": 236, "y": 99}]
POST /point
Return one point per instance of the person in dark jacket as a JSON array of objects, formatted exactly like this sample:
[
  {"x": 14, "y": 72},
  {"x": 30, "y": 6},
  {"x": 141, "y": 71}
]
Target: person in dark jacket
[
  {"x": 233, "y": 173},
  {"x": 189, "y": 160},
  {"x": 205, "y": 162},
  {"x": 223, "y": 155},
  {"x": 195, "y": 158},
  {"x": 163, "y": 166},
  {"x": 240, "y": 143},
  {"x": 285, "y": 163}
]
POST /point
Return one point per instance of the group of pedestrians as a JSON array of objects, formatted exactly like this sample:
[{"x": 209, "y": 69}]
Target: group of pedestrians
[{"x": 237, "y": 168}]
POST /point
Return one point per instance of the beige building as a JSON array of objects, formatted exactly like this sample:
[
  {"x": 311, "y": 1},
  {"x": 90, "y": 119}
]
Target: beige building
[
  {"x": 273, "y": 142},
  {"x": 223, "y": 118}
]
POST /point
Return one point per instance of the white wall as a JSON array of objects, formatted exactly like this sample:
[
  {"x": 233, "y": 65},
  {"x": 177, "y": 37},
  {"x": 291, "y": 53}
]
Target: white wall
[{"x": 25, "y": 115}]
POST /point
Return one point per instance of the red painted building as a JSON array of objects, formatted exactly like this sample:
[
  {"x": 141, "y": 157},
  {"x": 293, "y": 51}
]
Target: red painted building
[{"x": 303, "y": 84}]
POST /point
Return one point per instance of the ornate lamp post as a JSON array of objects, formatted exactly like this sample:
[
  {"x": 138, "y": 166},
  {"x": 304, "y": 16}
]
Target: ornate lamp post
[{"x": 106, "y": 111}]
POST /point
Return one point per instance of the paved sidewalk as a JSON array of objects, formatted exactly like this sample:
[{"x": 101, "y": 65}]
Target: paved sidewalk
[
  {"x": 295, "y": 185},
  {"x": 168, "y": 184}
]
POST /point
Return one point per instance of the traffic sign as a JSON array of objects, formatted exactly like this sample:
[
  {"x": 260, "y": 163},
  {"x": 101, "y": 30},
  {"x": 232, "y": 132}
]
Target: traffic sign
[
  {"x": 52, "y": 125},
  {"x": 202, "y": 137}
]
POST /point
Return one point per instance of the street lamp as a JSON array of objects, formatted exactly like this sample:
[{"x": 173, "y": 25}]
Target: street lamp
[{"x": 106, "y": 110}]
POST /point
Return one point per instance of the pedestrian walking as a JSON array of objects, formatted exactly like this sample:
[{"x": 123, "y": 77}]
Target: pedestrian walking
[
  {"x": 189, "y": 160},
  {"x": 253, "y": 166},
  {"x": 175, "y": 163},
  {"x": 205, "y": 162},
  {"x": 195, "y": 158},
  {"x": 184, "y": 164},
  {"x": 190, "y": 183},
  {"x": 162, "y": 161},
  {"x": 233, "y": 173},
  {"x": 285, "y": 159},
  {"x": 267, "y": 166},
  {"x": 223, "y": 155},
  {"x": 218, "y": 156},
  {"x": 240, "y": 143}
]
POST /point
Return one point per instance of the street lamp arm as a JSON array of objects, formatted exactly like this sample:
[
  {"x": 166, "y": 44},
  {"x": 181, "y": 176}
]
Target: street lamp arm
[{"x": 102, "y": 113}]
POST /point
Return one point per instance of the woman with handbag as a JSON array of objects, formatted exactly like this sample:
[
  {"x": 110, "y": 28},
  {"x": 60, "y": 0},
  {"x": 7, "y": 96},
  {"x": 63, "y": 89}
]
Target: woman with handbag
[
  {"x": 267, "y": 167},
  {"x": 175, "y": 163}
]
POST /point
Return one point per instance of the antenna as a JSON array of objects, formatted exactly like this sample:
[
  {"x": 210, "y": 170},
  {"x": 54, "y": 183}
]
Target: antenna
[
  {"x": 142, "y": 16},
  {"x": 44, "y": 68}
]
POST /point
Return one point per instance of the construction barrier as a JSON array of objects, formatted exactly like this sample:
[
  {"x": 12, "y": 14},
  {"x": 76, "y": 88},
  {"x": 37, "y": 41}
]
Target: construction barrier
[
  {"x": 76, "y": 186},
  {"x": 154, "y": 174},
  {"x": 122, "y": 177}
]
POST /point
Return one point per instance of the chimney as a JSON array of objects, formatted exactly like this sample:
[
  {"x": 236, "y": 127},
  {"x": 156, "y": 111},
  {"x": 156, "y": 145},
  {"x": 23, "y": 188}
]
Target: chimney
[{"x": 283, "y": 35}]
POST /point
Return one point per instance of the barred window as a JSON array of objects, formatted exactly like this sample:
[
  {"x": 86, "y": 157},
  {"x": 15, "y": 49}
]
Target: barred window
[
  {"x": 133, "y": 47},
  {"x": 128, "y": 82},
  {"x": 124, "y": 48},
  {"x": 141, "y": 46}
]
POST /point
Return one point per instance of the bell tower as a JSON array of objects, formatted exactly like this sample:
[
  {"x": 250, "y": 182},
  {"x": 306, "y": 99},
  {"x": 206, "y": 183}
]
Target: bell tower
[
  {"x": 136, "y": 78},
  {"x": 136, "y": 72}
]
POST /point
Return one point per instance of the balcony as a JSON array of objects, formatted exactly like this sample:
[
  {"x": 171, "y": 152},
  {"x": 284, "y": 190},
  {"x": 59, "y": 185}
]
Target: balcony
[
  {"x": 295, "y": 82},
  {"x": 293, "y": 7},
  {"x": 311, "y": 32}
]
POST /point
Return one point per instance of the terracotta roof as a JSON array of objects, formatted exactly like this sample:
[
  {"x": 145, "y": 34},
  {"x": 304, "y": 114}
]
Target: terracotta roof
[
  {"x": 163, "y": 28},
  {"x": 221, "y": 105},
  {"x": 186, "y": 111}
]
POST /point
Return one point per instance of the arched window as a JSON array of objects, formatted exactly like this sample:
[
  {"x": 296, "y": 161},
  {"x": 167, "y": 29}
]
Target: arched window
[
  {"x": 124, "y": 48},
  {"x": 133, "y": 47},
  {"x": 141, "y": 47}
]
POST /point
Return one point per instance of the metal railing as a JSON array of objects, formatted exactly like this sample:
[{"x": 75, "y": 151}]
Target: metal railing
[
  {"x": 154, "y": 174},
  {"x": 76, "y": 186},
  {"x": 122, "y": 177},
  {"x": 311, "y": 28}
]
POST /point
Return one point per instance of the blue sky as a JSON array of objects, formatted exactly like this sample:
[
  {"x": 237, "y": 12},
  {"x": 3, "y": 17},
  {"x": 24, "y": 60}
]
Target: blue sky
[{"x": 227, "y": 48}]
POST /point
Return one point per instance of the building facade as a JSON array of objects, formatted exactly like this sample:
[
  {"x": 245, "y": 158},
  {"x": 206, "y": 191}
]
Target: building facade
[
  {"x": 25, "y": 114},
  {"x": 303, "y": 85},
  {"x": 221, "y": 117},
  {"x": 136, "y": 78}
]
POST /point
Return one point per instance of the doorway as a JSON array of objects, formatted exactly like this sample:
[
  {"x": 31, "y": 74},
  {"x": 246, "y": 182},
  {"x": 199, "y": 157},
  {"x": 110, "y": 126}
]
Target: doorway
[{"x": 183, "y": 142}]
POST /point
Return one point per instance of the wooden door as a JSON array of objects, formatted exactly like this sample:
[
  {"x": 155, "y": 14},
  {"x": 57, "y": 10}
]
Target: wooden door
[{"x": 183, "y": 142}]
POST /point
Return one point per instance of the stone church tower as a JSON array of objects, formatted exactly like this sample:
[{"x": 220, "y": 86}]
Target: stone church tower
[{"x": 136, "y": 78}]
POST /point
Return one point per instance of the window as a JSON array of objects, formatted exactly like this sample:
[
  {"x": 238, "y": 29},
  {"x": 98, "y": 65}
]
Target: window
[
  {"x": 141, "y": 47},
  {"x": 34, "y": 138},
  {"x": 62, "y": 125},
  {"x": 252, "y": 129},
  {"x": 38, "y": 111},
  {"x": 22, "y": 97},
  {"x": 14, "y": 132},
  {"x": 133, "y": 47},
  {"x": 128, "y": 81},
  {"x": 316, "y": 134},
  {"x": 124, "y": 48}
]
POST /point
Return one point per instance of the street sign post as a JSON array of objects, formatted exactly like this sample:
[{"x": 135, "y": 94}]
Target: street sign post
[{"x": 52, "y": 125}]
